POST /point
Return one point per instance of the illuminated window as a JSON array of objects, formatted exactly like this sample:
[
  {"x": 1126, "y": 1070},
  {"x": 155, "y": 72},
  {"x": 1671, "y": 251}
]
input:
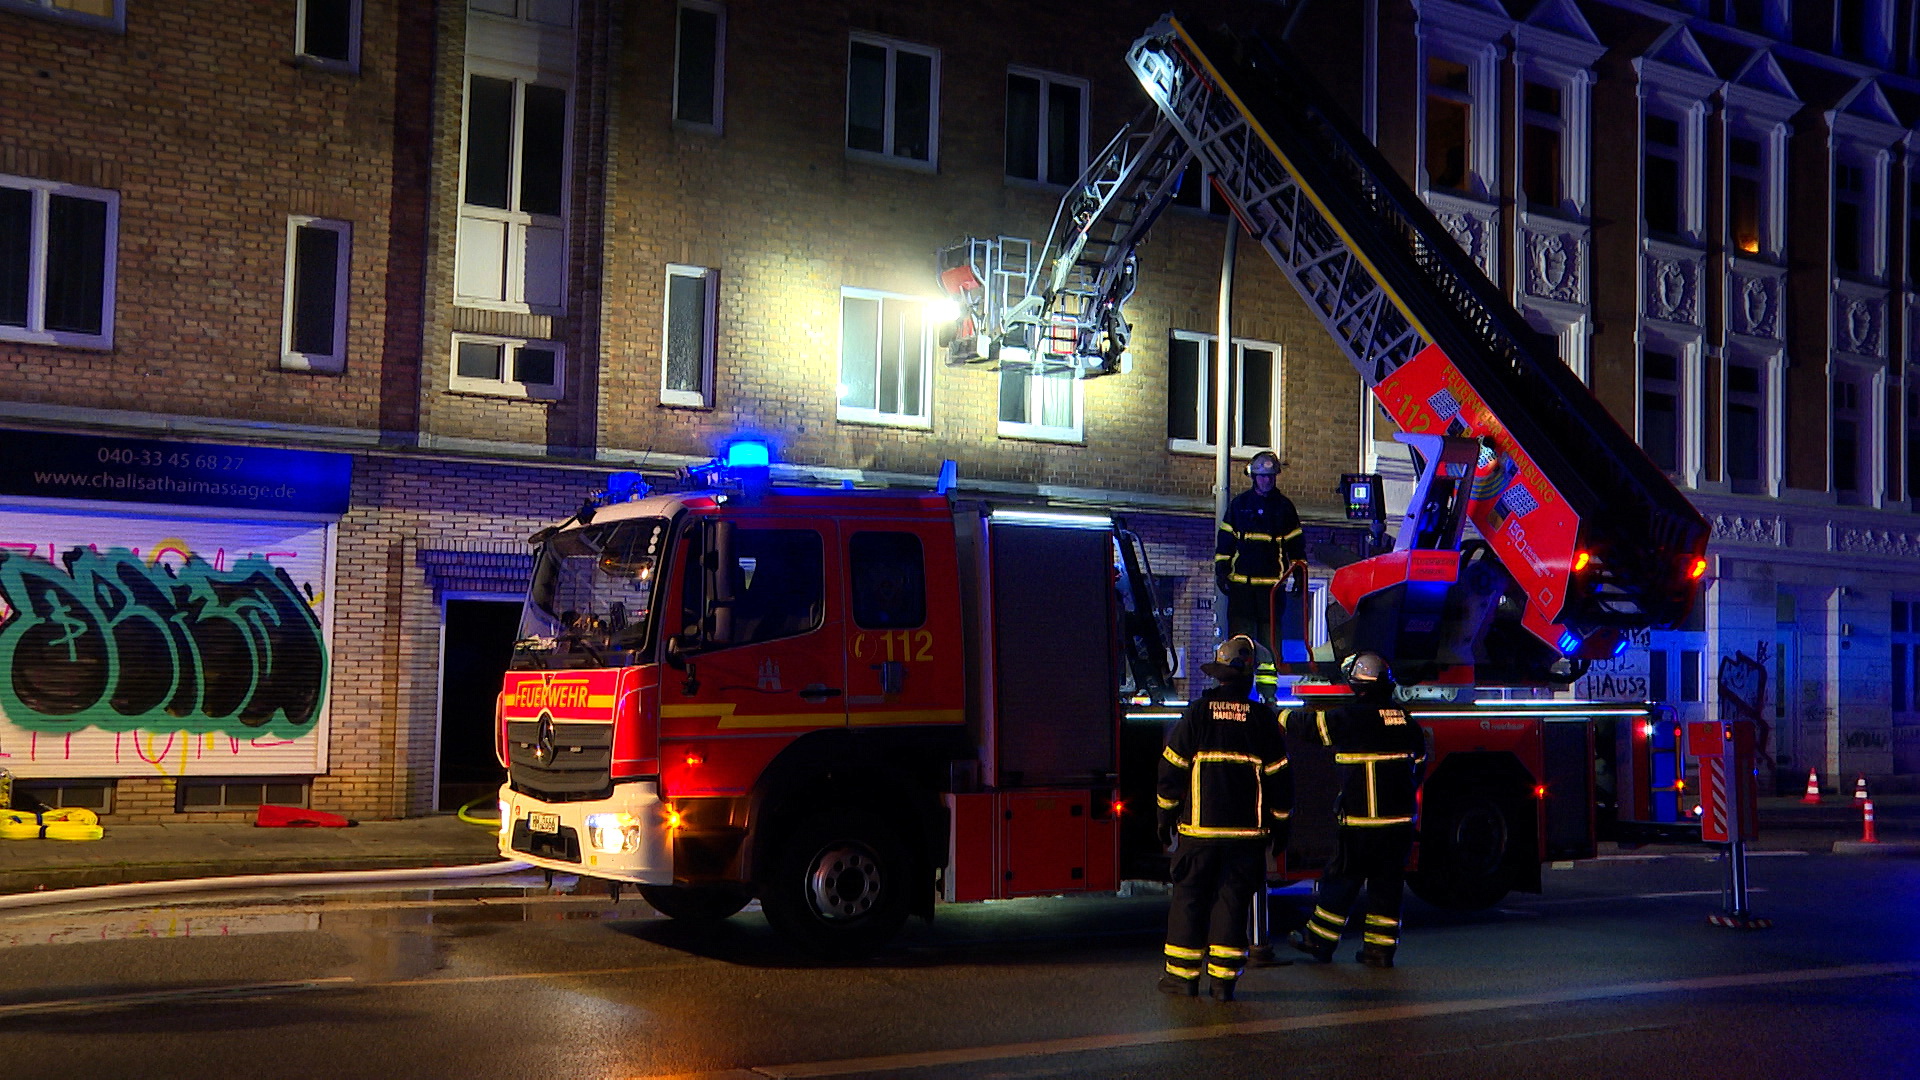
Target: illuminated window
[
  {"x": 313, "y": 333},
  {"x": 106, "y": 14},
  {"x": 686, "y": 368},
  {"x": 57, "y": 245},
  {"x": 893, "y": 109},
  {"x": 328, "y": 31},
  {"x": 1046, "y": 127},
  {"x": 1039, "y": 406},
  {"x": 698, "y": 64},
  {"x": 507, "y": 367},
  {"x": 885, "y": 359},
  {"x": 513, "y": 194},
  {"x": 1746, "y": 181},
  {"x": 1253, "y": 390}
]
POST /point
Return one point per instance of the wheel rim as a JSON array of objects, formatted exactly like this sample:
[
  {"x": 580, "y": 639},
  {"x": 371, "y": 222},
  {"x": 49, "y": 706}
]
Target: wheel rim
[
  {"x": 1479, "y": 840},
  {"x": 843, "y": 882}
]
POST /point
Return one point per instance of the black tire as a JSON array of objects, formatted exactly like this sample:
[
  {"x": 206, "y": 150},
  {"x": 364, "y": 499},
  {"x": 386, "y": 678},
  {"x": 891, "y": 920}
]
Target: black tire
[
  {"x": 839, "y": 885},
  {"x": 689, "y": 903},
  {"x": 1466, "y": 845}
]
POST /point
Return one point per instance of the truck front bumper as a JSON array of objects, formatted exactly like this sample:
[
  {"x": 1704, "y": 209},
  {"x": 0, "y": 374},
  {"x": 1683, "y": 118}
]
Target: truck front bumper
[{"x": 622, "y": 838}]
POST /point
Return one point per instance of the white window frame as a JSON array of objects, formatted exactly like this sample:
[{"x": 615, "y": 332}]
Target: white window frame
[
  {"x": 1689, "y": 115},
  {"x": 1688, "y": 353},
  {"x": 710, "y": 286},
  {"x": 46, "y": 9},
  {"x": 1048, "y": 80},
  {"x": 860, "y": 415},
  {"x": 719, "y": 13},
  {"x": 1771, "y": 365},
  {"x": 886, "y": 155},
  {"x": 1033, "y": 427},
  {"x": 505, "y": 385},
  {"x": 526, "y": 11},
  {"x": 1870, "y": 387},
  {"x": 1772, "y": 176},
  {"x": 1874, "y": 162},
  {"x": 35, "y": 331},
  {"x": 1876, "y": 28},
  {"x": 352, "y": 61},
  {"x": 336, "y": 360},
  {"x": 517, "y": 226},
  {"x": 1475, "y": 46},
  {"x": 1572, "y": 329},
  {"x": 1238, "y": 448}
]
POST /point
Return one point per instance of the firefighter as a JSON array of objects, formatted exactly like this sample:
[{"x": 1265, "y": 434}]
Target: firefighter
[
  {"x": 1227, "y": 794},
  {"x": 1259, "y": 542},
  {"x": 1382, "y": 753}
]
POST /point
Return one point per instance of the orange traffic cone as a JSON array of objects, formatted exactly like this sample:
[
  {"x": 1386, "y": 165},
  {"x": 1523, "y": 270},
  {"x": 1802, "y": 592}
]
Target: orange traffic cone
[
  {"x": 1866, "y": 825},
  {"x": 1812, "y": 797},
  {"x": 1860, "y": 788}
]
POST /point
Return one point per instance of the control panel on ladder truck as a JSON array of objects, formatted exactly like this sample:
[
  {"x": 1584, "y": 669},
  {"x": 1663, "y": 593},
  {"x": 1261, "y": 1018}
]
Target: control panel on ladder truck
[{"x": 1580, "y": 538}]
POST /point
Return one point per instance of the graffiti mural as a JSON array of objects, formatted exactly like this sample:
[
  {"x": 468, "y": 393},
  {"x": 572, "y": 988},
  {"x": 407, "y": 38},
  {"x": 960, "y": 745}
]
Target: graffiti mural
[
  {"x": 112, "y": 641},
  {"x": 1743, "y": 693}
]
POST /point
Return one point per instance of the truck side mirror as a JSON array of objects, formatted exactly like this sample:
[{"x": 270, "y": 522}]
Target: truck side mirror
[{"x": 716, "y": 566}]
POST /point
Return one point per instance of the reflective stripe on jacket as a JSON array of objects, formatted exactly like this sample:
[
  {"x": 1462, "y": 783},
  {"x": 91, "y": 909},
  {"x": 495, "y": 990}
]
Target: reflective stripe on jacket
[
  {"x": 1259, "y": 537},
  {"x": 1224, "y": 772},
  {"x": 1382, "y": 753}
]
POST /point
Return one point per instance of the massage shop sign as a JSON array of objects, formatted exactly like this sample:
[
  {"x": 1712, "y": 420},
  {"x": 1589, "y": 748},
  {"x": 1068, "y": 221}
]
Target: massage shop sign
[{"x": 164, "y": 607}]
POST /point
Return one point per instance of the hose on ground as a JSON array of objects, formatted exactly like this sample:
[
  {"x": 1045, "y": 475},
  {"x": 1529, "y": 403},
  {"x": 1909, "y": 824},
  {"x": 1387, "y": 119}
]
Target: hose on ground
[
  {"x": 67, "y": 823},
  {"x": 491, "y": 823}
]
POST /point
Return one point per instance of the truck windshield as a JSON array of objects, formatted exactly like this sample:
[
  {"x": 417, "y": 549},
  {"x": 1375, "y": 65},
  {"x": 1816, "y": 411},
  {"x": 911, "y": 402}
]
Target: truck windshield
[{"x": 591, "y": 600}]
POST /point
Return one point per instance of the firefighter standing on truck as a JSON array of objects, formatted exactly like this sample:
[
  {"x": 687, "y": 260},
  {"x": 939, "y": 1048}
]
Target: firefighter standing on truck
[
  {"x": 1227, "y": 794},
  {"x": 1259, "y": 543},
  {"x": 1382, "y": 753}
]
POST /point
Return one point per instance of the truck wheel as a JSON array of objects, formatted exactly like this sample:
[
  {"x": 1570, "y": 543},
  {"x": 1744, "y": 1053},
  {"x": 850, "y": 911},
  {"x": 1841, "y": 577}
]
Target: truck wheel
[
  {"x": 1464, "y": 844},
  {"x": 839, "y": 885},
  {"x": 689, "y": 903}
]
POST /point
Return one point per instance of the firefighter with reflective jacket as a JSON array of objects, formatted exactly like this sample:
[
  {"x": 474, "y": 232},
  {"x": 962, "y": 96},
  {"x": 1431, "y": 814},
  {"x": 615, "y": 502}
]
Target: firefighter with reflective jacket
[
  {"x": 1227, "y": 794},
  {"x": 1259, "y": 542},
  {"x": 1382, "y": 753}
]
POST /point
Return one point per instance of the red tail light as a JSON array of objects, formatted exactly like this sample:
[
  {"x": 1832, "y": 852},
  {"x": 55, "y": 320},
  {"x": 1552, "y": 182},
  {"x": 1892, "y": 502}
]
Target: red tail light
[
  {"x": 1698, "y": 570},
  {"x": 1580, "y": 561}
]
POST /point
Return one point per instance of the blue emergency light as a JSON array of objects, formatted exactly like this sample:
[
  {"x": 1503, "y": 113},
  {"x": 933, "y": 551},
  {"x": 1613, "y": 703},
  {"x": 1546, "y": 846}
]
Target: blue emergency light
[
  {"x": 747, "y": 455},
  {"x": 1569, "y": 643}
]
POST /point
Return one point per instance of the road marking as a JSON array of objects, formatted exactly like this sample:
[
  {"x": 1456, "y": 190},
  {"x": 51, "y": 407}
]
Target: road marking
[
  {"x": 516, "y": 976},
  {"x": 893, "y": 1063},
  {"x": 168, "y": 997},
  {"x": 1635, "y": 896}
]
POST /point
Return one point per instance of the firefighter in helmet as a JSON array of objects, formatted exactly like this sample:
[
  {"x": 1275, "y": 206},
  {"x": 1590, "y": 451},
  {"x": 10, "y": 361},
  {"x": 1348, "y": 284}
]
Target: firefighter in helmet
[
  {"x": 1226, "y": 793},
  {"x": 1382, "y": 754},
  {"x": 1259, "y": 543}
]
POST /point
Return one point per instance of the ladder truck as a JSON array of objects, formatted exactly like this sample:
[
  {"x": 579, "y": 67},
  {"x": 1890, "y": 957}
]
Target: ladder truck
[{"x": 848, "y": 705}]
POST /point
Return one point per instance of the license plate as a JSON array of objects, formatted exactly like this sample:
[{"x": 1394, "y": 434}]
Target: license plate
[{"x": 544, "y": 823}]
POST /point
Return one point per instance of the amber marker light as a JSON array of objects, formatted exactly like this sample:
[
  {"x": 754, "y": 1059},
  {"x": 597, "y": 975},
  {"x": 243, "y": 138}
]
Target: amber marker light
[
  {"x": 1119, "y": 805},
  {"x": 694, "y": 757},
  {"x": 673, "y": 818},
  {"x": 1698, "y": 570},
  {"x": 1580, "y": 561}
]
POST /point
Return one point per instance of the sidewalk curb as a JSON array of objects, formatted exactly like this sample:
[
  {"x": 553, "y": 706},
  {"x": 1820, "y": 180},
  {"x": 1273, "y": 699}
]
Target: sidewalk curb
[
  {"x": 126, "y": 890},
  {"x": 1883, "y": 847}
]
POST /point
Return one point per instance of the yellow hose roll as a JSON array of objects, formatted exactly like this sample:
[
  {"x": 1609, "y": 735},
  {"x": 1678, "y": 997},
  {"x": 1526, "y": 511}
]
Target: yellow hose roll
[{"x": 69, "y": 823}]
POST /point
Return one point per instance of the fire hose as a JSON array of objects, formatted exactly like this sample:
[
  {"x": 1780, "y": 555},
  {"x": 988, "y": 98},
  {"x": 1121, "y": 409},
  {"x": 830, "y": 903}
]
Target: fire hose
[{"x": 67, "y": 823}]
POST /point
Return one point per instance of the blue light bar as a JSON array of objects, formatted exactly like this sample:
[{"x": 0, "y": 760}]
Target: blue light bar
[
  {"x": 1621, "y": 649},
  {"x": 748, "y": 455},
  {"x": 1569, "y": 643}
]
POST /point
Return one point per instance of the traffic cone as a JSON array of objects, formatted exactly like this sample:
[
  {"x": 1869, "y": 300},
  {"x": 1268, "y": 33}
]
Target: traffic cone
[
  {"x": 1812, "y": 797},
  {"x": 1866, "y": 825},
  {"x": 1860, "y": 788}
]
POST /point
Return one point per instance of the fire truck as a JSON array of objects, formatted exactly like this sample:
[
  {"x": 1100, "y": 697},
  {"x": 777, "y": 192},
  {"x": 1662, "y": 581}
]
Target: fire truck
[{"x": 851, "y": 704}]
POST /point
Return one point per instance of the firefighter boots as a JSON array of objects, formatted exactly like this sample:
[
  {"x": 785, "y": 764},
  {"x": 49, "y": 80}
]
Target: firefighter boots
[
  {"x": 1375, "y": 957},
  {"x": 1220, "y": 989},
  {"x": 1322, "y": 953},
  {"x": 1174, "y": 984}
]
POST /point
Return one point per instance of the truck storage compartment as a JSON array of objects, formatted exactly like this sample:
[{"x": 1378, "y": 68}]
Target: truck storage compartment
[{"x": 1030, "y": 843}]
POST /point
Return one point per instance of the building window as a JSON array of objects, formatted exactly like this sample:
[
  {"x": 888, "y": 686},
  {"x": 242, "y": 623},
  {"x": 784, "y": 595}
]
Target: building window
[
  {"x": 1660, "y": 407},
  {"x": 207, "y": 795},
  {"x": 106, "y": 14},
  {"x": 699, "y": 62},
  {"x": 57, "y": 245},
  {"x": 1449, "y": 131},
  {"x": 1849, "y": 444},
  {"x": 893, "y": 100},
  {"x": 1039, "y": 406},
  {"x": 885, "y": 359},
  {"x": 1046, "y": 127},
  {"x": 1906, "y": 658},
  {"x": 1542, "y": 150},
  {"x": 313, "y": 334},
  {"x": 95, "y": 795},
  {"x": 508, "y": 367},
  {"x": 887, "y": 579},
  {"x": 1852, "y": 221},
  {"x": 1746, "y": 14},
  {"x": 329, "y": 31},
  {"x": 513, "y": 195},
  {"x": 1253, "y": 394},
  {"x": 1913, "y": 220},
  {"x": 1913, "y": 447},
  {"x": 543, "y": 12},
  {"x": 1858, "y": 29},
  {"x": 1664, "y": 172},
  {"x": 1746, "y": 428},
  {"x": 1748, "y": 211},
  {"x": 686, "y": 368}
]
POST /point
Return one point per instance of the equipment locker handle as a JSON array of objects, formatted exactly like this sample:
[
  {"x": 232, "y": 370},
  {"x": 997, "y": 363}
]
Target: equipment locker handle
[{"x": 820, "y": 693}]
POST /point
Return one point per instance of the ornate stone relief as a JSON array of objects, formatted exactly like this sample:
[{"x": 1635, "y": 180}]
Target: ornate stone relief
[
  {"x": 1860, "y": 320},
  {"x": 1755, "y": 529},
  {"x": 1673, "y": 287},
  {"x": 1753, "y": 303},
  {"x": 1876, "y": 542},
  {"x": 1553, "y": 264},
  {"x": 1474, "y": 225}
]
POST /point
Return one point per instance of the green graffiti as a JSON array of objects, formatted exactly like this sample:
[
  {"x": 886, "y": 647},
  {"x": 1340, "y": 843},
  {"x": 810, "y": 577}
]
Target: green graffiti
[{"x": 112, "y": 642}]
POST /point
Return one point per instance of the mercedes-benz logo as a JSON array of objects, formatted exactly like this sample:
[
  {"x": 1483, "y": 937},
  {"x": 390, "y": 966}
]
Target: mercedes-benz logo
[{"x": 543, "y": 742}]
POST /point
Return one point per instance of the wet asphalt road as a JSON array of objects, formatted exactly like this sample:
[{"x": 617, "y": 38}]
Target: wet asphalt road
[{"x": 1613, "y": 972}]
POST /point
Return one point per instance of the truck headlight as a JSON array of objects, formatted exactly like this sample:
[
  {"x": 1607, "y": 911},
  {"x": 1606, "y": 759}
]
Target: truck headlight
[{"x": 613, "y": 834}]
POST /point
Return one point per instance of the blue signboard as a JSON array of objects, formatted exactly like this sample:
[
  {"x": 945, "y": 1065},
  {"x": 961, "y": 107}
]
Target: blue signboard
[{"x": 65, "y": 466}]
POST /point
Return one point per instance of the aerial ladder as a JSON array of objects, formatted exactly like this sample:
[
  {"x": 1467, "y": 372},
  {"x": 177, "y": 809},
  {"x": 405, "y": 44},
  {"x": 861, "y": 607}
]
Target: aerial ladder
[{"x": 1581, "y": 537}]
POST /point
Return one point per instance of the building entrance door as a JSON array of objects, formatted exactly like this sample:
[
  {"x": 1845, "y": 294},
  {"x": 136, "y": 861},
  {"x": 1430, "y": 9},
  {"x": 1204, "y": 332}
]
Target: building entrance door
[{"x": 476, "y": 644}]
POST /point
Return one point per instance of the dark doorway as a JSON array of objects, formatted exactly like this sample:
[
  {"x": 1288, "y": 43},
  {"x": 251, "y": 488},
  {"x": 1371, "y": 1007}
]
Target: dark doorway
[{"x": 479, "y": 643}]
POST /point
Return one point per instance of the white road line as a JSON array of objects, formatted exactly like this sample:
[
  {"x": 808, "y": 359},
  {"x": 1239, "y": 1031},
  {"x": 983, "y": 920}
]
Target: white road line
[
  {"x": 1634, "y": 896},
  {"x": 893, "y": 1063},
  {"x": 168, "y": 997}
]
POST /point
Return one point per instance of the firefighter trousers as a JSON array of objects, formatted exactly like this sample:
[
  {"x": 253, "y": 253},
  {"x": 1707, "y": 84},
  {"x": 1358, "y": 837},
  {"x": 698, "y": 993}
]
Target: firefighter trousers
[
  {"x": 1213, "y": 887},
  {"x": 1374, "y": 856}
]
